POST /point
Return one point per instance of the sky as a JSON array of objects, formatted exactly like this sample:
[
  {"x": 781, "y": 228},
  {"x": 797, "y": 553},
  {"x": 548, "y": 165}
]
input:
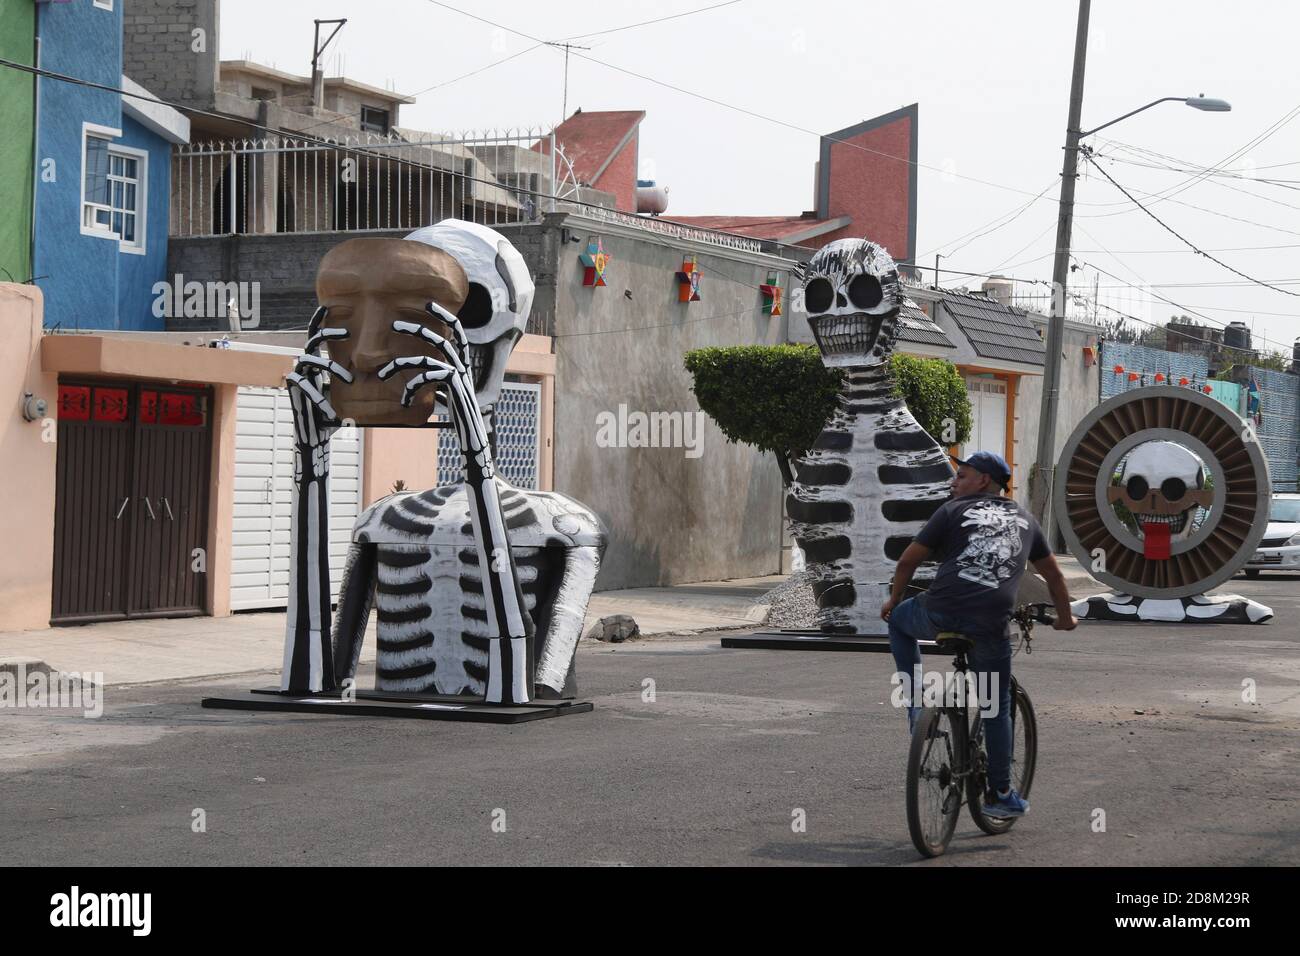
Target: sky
[{"x": 992, "y": 81}]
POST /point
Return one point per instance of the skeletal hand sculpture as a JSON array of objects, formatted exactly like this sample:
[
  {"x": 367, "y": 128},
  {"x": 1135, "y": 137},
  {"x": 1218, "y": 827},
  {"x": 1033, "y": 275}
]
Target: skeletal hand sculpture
[
  {"x": 414, "y": 559},
  {"x": 462, "y": 576},
  {"x": 510, "y": 628},
  {"x": 308, "y": 660}
]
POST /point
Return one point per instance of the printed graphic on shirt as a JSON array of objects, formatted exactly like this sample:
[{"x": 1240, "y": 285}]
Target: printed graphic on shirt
[{"x": 990, "y": 554}]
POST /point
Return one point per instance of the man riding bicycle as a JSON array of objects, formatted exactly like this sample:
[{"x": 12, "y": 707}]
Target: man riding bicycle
[{"x": 983, "y": 540}]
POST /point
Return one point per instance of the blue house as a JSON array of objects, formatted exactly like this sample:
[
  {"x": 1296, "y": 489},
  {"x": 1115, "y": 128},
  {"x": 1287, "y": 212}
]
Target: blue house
[{"x": 103, "y": 176}]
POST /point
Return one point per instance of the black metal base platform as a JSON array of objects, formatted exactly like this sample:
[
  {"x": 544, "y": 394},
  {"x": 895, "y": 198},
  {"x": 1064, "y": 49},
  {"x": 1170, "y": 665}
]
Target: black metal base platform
[
  {"x": 377, "y": 703},
  {"x": 812, "y": 640}
]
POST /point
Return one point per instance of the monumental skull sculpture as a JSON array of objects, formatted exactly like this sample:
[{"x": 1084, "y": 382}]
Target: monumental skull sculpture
[
  {"x": 480, "y": 588},
  {"x": 874, "y": 476},
  {"x": 1195, "y": 483}
]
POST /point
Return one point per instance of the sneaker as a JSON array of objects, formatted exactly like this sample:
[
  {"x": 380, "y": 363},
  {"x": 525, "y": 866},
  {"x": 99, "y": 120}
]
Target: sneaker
[{"x": 1004, "y": 808}]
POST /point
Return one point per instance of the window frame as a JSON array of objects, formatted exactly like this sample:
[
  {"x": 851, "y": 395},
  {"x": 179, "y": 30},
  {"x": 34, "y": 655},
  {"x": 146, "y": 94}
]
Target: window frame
[
  {"x": 138, "y": 246},
  {"x": 388, "y": 120},
  {"x": 104, "y": 4}
]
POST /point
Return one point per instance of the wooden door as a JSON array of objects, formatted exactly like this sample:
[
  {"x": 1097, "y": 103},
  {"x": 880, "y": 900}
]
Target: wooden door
[
  {"x": 131, "y": 501},
  {"x": 93, "y": 507},
  {"x": 168, "y": 560}
]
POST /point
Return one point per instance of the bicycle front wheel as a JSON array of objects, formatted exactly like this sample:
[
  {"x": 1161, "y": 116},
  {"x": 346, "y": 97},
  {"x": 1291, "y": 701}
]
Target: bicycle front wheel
[
  {"x": 934, "y": 784},
  {"x": 1024, "y": 755}
]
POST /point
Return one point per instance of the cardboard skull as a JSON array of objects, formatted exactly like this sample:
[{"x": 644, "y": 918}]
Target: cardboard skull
[
  {"x": 500, "y": 296},
  {"x": 1162, "y": 484},
  {"x": 852, "y": 296}
]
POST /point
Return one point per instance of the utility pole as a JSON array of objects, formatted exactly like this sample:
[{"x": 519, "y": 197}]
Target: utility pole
[
  {"x": 566, "y": 47},
  {"x": 317, "y": 48},
  {"x": 1045, "y": 465}
]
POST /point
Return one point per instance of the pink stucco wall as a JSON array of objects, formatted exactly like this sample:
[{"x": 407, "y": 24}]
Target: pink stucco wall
[{"x": 27, "y": 450}]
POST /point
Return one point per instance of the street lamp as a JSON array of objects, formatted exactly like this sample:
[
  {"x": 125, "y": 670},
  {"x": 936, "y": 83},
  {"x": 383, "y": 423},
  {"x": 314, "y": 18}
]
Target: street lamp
[
  {"x": 1206, "y": 103},
  {"x": 1045, "y": 465}
]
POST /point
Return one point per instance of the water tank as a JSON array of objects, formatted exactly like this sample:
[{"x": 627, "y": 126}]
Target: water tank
[
  {"x": 1237, "y": 336},
  {"x": 650, "y": 197},
  {"x": 998, "y": 289}
]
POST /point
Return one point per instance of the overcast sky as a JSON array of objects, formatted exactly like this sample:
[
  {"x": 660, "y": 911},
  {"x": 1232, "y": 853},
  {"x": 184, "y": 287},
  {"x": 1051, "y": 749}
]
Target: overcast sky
[{"x": 992, "y": 81}]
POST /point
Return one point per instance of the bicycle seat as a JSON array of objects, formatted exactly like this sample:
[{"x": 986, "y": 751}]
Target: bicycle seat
[{"x": 950, "y": 642}]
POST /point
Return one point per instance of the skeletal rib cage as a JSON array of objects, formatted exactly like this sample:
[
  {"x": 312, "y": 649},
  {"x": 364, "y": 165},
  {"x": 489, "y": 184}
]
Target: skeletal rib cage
[{"x": 1230, "y": 527}]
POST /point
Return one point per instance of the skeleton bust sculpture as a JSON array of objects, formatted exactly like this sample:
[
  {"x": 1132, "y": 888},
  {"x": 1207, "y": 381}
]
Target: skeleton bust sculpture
[
  {"x": 481, "y": 588},
  {"x": 874, "y": 475}
]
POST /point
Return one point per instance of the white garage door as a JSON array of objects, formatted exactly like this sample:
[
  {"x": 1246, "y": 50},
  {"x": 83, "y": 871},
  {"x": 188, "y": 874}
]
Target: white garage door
[
  {"x": 263, "y": 493},
  {"x": 988, "y": 400}
]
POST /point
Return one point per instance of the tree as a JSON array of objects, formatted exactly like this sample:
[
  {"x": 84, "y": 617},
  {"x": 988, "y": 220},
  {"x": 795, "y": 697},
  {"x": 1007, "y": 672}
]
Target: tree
[
  {"x": 774, "y": 397},
  {"x": 777, "y": 398}
]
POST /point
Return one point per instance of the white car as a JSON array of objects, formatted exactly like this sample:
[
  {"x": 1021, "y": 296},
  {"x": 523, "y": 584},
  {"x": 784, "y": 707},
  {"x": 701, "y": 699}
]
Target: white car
[{"x": 1280, "y": 549}]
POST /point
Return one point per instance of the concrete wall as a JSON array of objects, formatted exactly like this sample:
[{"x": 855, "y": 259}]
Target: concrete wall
[
  {"x": 158, "y": 48},
  {"x": 27, "y": 478},
  {"x": 1080, "y": 388},
  {"x": 671, "y": 518}
]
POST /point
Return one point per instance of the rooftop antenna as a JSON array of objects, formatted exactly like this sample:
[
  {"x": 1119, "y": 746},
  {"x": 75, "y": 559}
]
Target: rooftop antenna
[
  {"x": 317, "y": 48},
  {"x": 566, "y": 47}
]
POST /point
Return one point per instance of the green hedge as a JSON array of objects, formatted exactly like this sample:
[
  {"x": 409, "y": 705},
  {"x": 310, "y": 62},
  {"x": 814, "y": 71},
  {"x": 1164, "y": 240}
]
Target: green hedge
[{"x": 777, "y": 397}]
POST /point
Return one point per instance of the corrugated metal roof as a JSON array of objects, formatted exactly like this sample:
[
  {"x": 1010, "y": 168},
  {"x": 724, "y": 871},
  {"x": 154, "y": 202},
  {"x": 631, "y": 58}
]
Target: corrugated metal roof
[
  {"x": 995, "y": 331},
  {"x": 915, "y": 326}
]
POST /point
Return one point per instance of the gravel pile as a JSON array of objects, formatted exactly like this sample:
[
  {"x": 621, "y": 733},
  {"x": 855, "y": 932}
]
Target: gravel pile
[{"x": 792, "y": 603}]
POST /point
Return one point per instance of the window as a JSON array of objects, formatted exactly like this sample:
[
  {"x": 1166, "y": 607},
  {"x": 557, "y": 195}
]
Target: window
[
  {"x": 374, "y": 120},
  {"x": 104, "y": 4},
  {"x": 113, "y": 186}
]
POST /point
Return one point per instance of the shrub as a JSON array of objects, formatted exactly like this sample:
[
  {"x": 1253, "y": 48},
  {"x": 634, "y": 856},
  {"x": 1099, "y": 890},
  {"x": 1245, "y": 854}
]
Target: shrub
[{"x": 777, "y": 397}]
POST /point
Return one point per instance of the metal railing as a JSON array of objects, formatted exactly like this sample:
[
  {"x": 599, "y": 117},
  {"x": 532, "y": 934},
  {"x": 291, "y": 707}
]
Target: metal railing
[
  {"x": 396, "y": 181},
  {"x": 400, "y": 180}
]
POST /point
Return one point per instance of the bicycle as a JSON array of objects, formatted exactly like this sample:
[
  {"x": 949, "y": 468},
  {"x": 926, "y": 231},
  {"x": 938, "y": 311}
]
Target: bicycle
[{"x": 948, "y": 767}]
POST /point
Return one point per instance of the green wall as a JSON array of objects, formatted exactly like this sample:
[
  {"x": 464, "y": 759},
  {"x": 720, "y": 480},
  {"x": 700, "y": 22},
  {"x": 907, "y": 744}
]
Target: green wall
[{"x": 17, "y": 32}]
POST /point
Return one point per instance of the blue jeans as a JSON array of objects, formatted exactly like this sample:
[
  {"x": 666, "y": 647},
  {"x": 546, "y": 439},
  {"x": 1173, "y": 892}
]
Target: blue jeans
[{"x": 989, "y": 659}]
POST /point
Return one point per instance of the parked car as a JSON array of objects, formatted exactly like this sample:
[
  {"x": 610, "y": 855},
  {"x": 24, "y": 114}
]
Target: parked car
[{"x": 1280, "y": 549}]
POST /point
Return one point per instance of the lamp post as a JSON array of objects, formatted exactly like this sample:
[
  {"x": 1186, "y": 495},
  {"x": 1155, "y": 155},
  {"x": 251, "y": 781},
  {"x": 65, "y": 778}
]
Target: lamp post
[{"x": 1045, "y": 463}]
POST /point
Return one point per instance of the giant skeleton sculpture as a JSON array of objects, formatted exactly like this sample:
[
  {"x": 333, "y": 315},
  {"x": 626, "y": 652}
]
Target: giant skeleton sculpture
[
  {"x": 1163, "y": 494},
  {"x": 480, "y": 588},
  {"x": 874, "y": 476}
]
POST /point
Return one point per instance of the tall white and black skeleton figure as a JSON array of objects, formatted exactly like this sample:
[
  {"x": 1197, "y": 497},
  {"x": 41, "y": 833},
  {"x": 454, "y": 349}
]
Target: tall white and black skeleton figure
[
  {"x": 308, "y": 662},
  {"x": 415, "y": 556},
  {"x": 874, "y": 475}
]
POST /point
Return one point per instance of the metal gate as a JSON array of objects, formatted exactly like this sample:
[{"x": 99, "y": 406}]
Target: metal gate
[{"x": 131, "y": 501}]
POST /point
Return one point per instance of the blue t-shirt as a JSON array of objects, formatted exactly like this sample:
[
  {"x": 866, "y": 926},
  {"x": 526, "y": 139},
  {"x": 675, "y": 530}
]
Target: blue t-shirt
[{"x": 982, "y": 543}]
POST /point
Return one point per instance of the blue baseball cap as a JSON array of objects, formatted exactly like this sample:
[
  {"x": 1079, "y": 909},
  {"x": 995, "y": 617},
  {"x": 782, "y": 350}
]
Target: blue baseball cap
[{"x": 990, "y": 463}]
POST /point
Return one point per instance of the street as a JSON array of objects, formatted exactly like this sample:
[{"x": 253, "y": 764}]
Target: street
[{"x": 694, "y": 755}]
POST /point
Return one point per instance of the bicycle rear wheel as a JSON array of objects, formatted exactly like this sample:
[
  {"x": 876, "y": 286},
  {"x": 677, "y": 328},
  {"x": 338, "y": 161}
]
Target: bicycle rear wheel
[
  {"x": 1024, "y": 755},
  {"x": 934, "y": 789}
]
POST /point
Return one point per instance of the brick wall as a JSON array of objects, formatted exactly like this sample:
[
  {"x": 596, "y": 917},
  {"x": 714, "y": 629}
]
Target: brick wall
[
  {"x": 619, "y": 178},
  {"x": 158, "y": 52},
  {"x": 874, "y": 189}
]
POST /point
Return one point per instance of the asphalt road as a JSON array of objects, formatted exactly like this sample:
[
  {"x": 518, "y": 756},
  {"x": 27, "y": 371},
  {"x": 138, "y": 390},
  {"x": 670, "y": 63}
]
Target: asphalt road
[{"x": 1144, "y": 722}]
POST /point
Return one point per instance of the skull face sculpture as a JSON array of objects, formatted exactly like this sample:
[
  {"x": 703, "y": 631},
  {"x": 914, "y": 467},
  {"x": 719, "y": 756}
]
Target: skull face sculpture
[
  {"x": 852, "y": 296},
  {"x": 500, "y": 296},
  {"x": 1162, "y": 484}
]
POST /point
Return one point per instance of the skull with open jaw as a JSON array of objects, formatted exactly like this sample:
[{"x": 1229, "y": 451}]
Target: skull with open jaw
[
  {"x": 852, "y": 296},
  {"x": 1162, "y": 485}
]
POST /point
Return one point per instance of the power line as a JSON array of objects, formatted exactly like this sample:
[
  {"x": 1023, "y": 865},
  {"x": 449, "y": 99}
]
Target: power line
[
  {"x": 746, "y": 112},
  {"x": 646, "y": 23},
  {"x": 1088, "y": 156}
]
